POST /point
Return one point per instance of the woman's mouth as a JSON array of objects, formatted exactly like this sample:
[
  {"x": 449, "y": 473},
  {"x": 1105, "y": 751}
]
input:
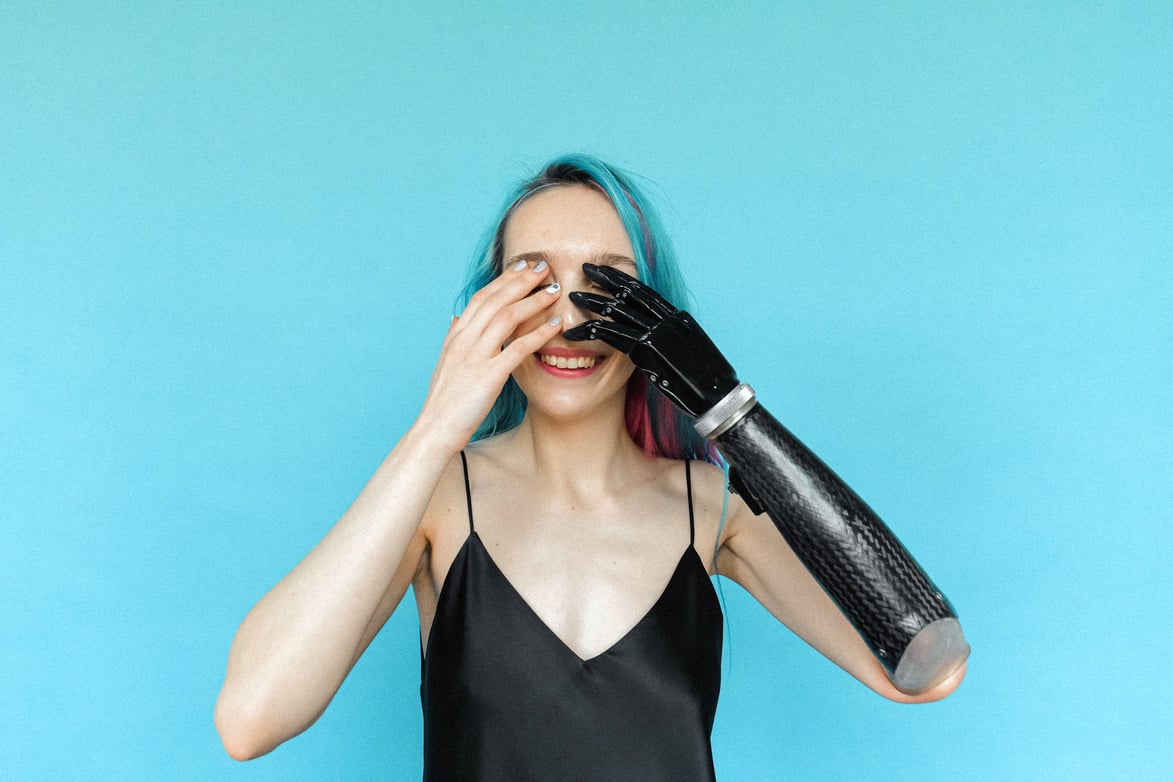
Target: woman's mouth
[{"x": 566, "y": 363}]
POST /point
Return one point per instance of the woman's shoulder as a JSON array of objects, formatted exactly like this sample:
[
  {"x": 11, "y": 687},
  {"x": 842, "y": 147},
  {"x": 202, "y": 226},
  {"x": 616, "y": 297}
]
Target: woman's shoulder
[
  {"x": 703, "y": 475},
  {"x": 716, "y": 507},
  {"x": 704, "y": 482},
  {"x": 706, "y": 471},
  {"x": 708, "y": 486},
  {"x": 477, "y": 464},
  {"x": 448, "y": 497},
  {"x": 488, "y": 458}
]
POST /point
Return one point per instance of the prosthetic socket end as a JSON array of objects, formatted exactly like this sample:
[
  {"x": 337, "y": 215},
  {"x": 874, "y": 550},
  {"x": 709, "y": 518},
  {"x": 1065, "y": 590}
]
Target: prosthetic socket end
[{"x": 934, "y": 654}]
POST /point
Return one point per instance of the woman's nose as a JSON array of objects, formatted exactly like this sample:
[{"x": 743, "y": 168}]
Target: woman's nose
[{"x": 571, "y": 314}]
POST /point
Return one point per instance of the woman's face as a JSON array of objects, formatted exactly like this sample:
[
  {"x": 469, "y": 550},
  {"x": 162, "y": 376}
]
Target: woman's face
[{"x": 567, "y": 226}]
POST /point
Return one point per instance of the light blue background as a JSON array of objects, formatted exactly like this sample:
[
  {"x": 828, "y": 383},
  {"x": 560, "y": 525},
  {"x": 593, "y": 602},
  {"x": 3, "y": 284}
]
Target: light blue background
[{"x": 936, "y": 237}]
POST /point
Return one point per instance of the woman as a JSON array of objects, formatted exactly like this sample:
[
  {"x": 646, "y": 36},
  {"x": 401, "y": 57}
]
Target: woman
[{"x": 557, "y": 525}]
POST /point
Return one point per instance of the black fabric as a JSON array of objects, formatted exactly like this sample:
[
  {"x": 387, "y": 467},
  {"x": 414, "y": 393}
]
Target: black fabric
[{"x": 504, "y": 699}]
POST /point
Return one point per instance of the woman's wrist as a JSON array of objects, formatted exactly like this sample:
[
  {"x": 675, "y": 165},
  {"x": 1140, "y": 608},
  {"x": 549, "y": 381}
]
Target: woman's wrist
[{"x": 426, "y": 441}]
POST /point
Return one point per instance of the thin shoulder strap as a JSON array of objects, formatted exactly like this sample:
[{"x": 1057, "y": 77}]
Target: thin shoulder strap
[
  {"x": 688, "y": 483},
  {"x": 468, "y": 492}
]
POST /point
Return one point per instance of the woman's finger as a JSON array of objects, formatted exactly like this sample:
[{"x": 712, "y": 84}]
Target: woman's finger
[
  {"x": 483, "y": 336},
  {"x": 527, "y": 344},
  {"x": 512, "y": 285},
  {"x": 516, "y": 316}
]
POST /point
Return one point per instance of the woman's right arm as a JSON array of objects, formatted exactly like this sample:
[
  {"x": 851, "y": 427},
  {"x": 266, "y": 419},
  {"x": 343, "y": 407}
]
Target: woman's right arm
[{"x": 295, "y": 647}]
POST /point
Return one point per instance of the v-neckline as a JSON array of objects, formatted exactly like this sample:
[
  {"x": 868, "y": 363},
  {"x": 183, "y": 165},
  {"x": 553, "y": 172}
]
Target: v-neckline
[{"x": 527, "y": 609}]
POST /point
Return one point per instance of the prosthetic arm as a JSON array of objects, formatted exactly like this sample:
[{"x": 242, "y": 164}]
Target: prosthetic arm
[{"x": 905, "y": 620}]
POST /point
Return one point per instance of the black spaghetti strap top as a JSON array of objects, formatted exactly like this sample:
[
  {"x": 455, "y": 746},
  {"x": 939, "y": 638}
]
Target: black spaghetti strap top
[{"x": 505, "y": 700}]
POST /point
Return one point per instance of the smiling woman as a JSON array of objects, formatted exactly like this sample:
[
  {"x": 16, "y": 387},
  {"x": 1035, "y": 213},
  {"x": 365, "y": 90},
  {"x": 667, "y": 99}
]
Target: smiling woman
[
  {"x": 653, "y": 423},
  {"x": 558, "y": 515}
]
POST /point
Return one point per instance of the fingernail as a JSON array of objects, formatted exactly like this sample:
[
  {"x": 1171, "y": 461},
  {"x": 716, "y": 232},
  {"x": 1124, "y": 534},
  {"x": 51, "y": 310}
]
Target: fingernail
[
  {"x": 553, "y": 287},
  {"x": 519, "y": 266},
  {"x": 540, "y": 266},
  {"x": 554, "y": 321}
]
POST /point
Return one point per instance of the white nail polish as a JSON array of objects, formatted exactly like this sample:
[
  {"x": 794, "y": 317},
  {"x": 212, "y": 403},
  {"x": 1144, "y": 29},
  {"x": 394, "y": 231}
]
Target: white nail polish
[
  {"x": 553, "y": 287},
  {"x": 540, "y": 266},
  {"x": 554, "y": 321},
  {"x": 519, "y": 266}
]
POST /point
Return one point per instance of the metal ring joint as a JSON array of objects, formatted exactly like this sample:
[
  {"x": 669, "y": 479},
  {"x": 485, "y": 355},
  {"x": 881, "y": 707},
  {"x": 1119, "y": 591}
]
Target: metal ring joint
[{"x": 722, "y": 416}]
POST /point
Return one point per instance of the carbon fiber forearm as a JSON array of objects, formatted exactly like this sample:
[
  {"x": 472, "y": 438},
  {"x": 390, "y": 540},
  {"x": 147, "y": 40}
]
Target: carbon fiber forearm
[{"x": 846, "y": 547}]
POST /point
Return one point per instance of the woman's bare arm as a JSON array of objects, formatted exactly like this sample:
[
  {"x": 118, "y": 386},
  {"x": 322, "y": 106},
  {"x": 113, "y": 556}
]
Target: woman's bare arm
[
  {"x": 298, "y": 643},
  {"x": 295, "y": 647}
]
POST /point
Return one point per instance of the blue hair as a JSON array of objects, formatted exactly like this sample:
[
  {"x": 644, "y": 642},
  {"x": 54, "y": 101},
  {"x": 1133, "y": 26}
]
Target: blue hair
[{"x": 653, "y": 422}]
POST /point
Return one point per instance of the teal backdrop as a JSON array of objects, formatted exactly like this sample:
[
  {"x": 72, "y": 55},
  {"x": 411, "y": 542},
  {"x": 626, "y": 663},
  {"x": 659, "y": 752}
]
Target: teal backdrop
[{"x": 936, "y": 237}]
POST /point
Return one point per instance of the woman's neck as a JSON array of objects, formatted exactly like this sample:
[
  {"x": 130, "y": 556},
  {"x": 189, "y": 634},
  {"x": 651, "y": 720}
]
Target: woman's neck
[{"x": 579, "y": 454}]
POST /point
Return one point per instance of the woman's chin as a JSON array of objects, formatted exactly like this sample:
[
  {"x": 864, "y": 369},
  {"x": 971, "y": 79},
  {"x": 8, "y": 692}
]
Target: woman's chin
[{"x": 574, "y": 401}]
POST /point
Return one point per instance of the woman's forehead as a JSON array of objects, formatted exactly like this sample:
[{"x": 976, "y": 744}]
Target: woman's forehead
[{"x": 572, "y": 220}]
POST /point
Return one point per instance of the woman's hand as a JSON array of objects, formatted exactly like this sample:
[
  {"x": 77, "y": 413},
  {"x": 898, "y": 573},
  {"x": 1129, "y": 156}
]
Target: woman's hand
[{"x": 494, "y": 334}]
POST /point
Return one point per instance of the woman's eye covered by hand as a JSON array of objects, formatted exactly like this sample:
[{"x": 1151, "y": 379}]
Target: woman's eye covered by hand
[
  {"x": 589, "y": 284},
  {"x": 551, "y": 288},
  {"x": 555, "y": 287},
  {"x": 538, "y": 267}
]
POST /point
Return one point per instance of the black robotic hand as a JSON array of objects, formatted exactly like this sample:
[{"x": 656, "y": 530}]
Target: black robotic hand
[{"x": 664, "y": 342}]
